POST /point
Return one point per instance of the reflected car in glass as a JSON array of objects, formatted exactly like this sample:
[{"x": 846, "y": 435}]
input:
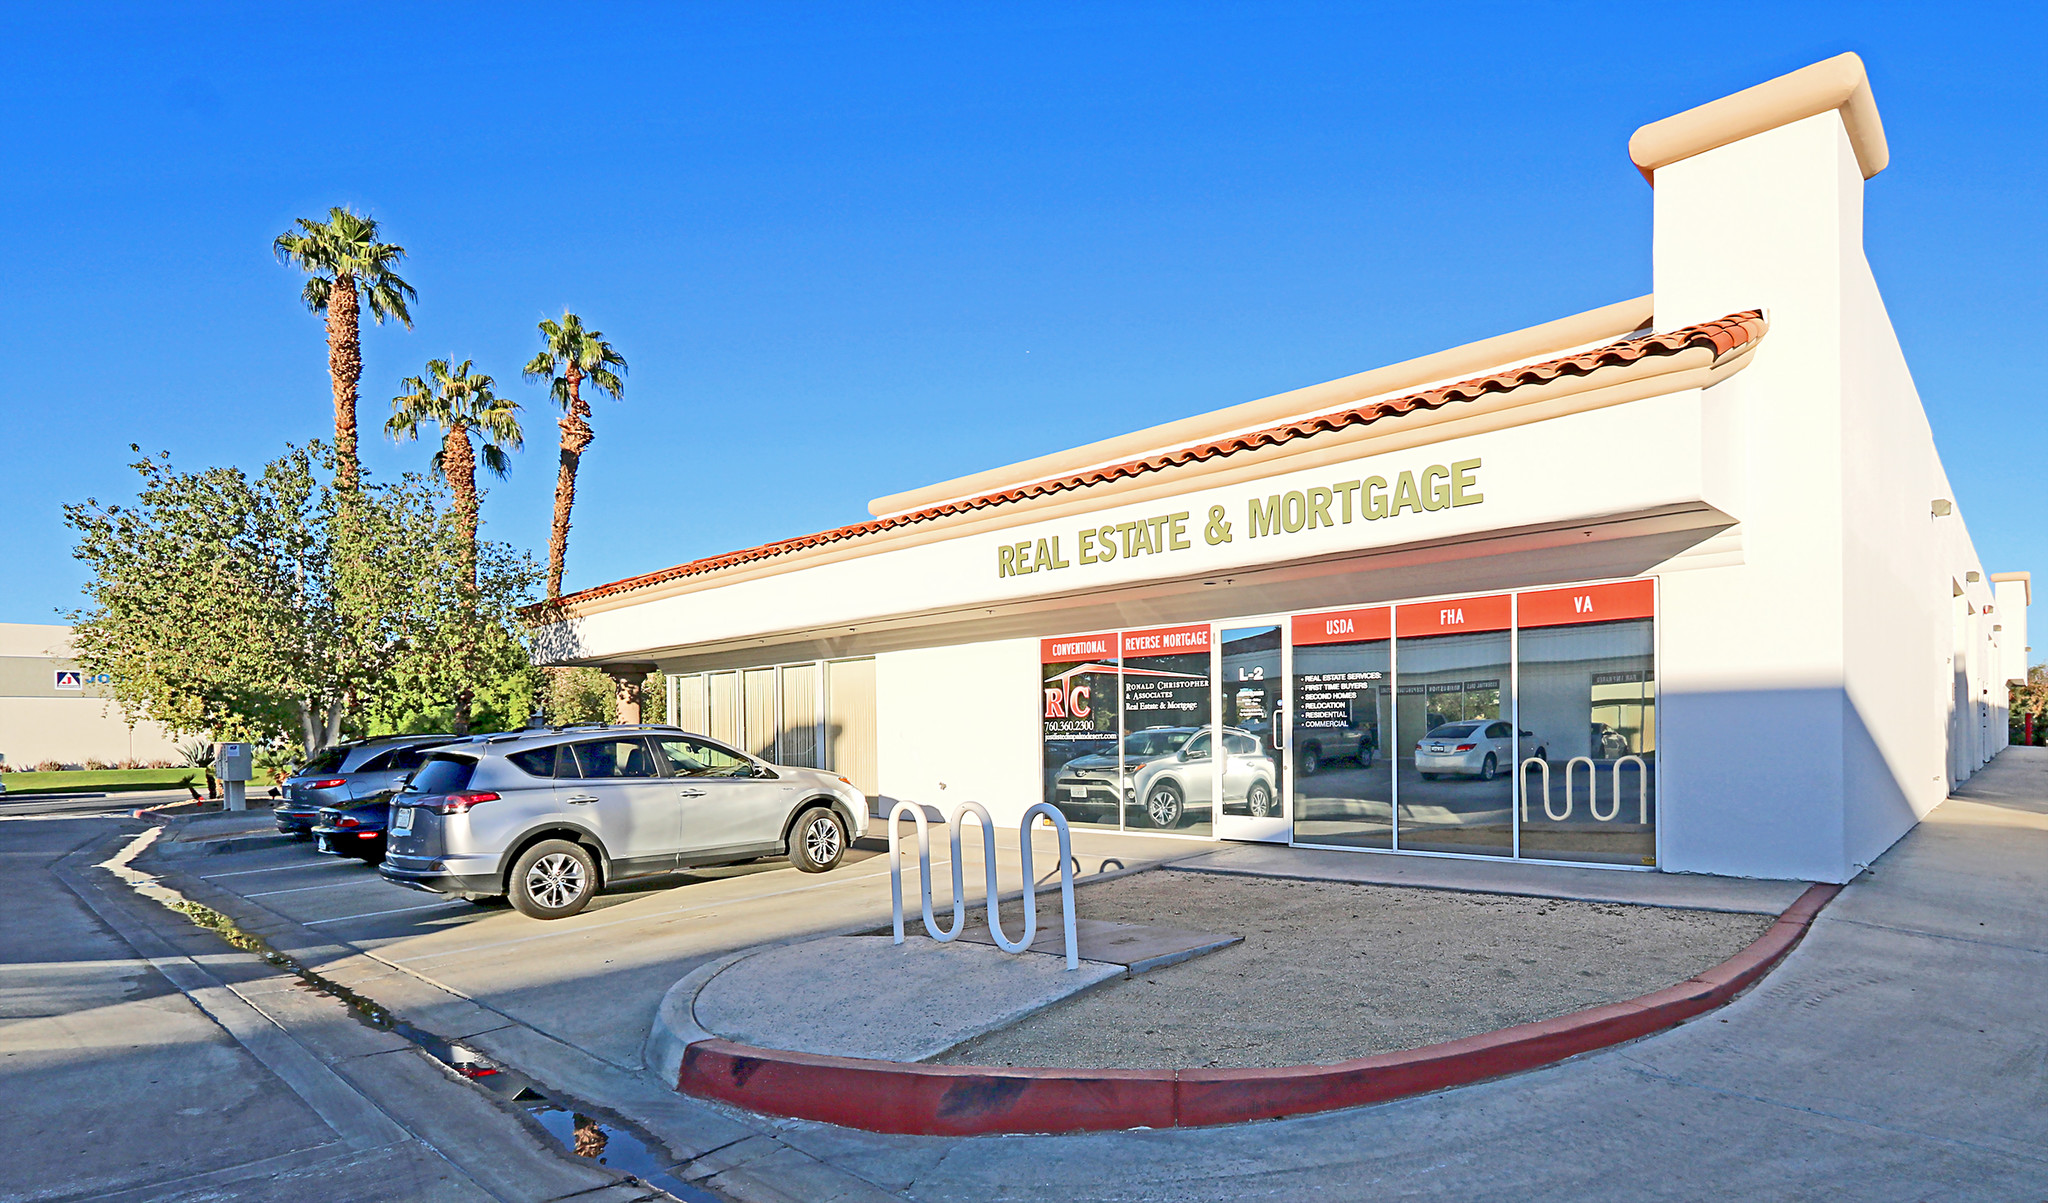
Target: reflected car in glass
[
  {"x": 1168, "y": 773},
  {"x": 1478, "y": 748}
]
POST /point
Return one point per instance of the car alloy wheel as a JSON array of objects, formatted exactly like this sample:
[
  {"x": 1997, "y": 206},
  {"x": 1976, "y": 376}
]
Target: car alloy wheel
[
  {"x": 1162, "y": 806},
  {"x": 818, "y": 841},
  {"x": 1311, "y": 760},
  {"x": 1260, "y": 800},
  {"x": 556, "y": 880},
  {"x": 1488, "y": 770}
]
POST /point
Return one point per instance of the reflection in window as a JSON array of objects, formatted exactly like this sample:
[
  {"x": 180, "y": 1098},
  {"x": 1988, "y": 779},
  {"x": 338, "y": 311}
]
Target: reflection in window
[
  {"x": 1078, "y": 702},
  {"x": 1169, "y": 697},
  {"x": 1253, "y": 703},
  {"x": 1343, "y": 784},
  {"x": 1589, "y": 693},
  {"x": 696, "y": 758},
  {"x": 1457, "y": 758}
]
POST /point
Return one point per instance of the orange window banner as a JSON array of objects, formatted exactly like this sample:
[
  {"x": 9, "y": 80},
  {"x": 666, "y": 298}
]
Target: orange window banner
[
  {"x": 1588, "y": 603},
  {"x": 1063, "y": 648},
  {"x": 1456, "y": 616},
  {"x": 1343, "y": 626},
  {"x": 1167, "y": 641}
]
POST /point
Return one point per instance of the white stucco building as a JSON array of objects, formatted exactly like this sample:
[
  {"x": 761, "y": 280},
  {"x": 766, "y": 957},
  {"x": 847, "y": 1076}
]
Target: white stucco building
[{"x": 1676, "y": 583}]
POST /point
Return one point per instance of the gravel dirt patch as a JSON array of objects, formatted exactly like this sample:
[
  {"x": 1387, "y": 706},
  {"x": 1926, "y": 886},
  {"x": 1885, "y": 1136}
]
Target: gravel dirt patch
[{"x": 1329, "y": 971}]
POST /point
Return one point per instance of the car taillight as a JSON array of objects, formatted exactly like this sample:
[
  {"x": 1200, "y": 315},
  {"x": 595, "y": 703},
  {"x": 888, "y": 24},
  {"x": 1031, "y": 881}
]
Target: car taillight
[
  {"x": 329, "y": 783},
  {"x": 1466, "y": 747},
  {"x": 455, "y": 804},
  {"x": 348, "y": 823}
]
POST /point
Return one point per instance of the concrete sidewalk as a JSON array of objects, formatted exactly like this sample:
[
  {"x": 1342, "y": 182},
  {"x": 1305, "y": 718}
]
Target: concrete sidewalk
[{"x": 1896, "y": 1054}]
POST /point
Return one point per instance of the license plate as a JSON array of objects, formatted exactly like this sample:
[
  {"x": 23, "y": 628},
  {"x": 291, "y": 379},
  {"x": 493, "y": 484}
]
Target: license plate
[
  {"x": 401, "y": 821},
  {"x": 1077, "y": 791}
]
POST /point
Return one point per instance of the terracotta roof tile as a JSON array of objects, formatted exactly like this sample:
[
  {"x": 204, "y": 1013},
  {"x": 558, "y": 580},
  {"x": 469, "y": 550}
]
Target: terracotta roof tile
[{"x": 1720, "y": 336}]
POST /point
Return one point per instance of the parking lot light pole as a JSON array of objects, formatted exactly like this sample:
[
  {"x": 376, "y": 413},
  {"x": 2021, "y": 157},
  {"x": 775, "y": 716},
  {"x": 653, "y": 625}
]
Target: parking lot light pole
[{"x": 628, "y": 679}]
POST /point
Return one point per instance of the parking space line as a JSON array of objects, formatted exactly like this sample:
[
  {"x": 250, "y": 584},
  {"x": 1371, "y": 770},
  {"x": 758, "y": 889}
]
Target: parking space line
[
  {"x": 396, "y": 911},
  {"x": 273, "y": 869},
  {"x": 332, "y": 885}
]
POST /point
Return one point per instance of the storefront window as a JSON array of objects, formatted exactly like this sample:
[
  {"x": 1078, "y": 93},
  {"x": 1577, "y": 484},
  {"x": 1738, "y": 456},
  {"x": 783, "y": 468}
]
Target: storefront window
[
  {"x": 1343, "y": 780},
  {"x": 1456, "y": 749},
  {"x": 1589, "y": 695},
  {"x": 1168, "y": 759},
  {"x": 1078, "y": 680},
  {"x": 1254, "y": 697}
]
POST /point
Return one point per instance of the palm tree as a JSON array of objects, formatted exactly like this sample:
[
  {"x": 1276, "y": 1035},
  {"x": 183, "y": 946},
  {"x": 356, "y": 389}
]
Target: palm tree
[
  {"x": 573, "y": 355},
  {"x": 349, "y": 269},
  {"x": 460, "y": 402}
]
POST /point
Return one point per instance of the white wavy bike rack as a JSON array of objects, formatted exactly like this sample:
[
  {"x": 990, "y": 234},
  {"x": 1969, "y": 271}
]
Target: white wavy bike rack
[
  {"x": 988, "y": 840},
  {"x": 1592, "y": 789}
]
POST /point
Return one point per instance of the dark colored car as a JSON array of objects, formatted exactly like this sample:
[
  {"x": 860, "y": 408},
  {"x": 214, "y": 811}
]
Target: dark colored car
[
  {"x": 357, "y": 830},
  {"x": 348, "y": 773}
]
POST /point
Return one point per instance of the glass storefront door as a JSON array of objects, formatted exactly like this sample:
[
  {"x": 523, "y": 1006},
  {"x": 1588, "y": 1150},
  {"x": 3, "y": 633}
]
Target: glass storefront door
[{"x": 1250, "y": 733}]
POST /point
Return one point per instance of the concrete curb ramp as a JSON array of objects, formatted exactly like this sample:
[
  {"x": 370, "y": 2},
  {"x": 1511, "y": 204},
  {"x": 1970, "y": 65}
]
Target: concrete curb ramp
[{"x": 965, "y": 1100}]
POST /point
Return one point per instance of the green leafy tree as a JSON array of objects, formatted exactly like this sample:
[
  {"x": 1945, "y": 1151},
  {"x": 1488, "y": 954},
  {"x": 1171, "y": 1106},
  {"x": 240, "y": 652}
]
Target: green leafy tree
[
  {"x": 462, "y": 404},
  {"x": 572, "y": 357},
  {"x": 588, "y": 695},
  {"x": 271, "y": 607},
  {"x": 2029, "y": 699},
  {"x": 349, "y": 270}
]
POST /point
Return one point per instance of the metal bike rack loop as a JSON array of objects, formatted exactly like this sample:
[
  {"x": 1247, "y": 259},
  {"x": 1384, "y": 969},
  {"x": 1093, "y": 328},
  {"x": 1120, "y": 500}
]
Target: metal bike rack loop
[
  {"x": 988, "y": 839},
  {"x": 1543, "y": 764}
]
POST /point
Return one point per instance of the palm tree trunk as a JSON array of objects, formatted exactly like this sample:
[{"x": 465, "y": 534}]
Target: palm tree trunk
[
  {"x": 345, "y": 367},
  {"x": 458, "y": 462},
  {"x": 576, "y": 435}
]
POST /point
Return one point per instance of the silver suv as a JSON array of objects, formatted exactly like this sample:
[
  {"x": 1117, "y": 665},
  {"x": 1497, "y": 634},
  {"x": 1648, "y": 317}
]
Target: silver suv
[
  {"x": 346, "y": 774},
  {"x": 547, "y": 817}
]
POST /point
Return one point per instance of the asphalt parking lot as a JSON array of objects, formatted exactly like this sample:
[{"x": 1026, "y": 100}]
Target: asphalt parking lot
[{"x": 593, "y": 981}]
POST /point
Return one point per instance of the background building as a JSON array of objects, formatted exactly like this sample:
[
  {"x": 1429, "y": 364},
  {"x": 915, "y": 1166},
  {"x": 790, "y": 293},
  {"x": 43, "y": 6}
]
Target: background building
[{"x": 51, "y": 710}]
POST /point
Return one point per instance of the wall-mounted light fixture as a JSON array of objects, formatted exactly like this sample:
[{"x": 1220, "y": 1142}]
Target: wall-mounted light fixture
[
  {"x": 1943, "y": 507},
  {"x": 1973, "y": 577}
]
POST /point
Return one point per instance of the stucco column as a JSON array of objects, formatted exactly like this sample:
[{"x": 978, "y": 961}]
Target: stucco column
[{"x": 628, "y": 678}]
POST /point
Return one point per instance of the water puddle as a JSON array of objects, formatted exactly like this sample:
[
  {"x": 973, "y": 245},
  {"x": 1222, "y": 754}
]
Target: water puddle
[{"x": 579, "y": 1128}]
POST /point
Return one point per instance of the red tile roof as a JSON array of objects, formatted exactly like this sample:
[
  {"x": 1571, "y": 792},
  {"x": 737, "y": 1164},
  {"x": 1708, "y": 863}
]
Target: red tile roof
[{"x": 1721, "y": 337}]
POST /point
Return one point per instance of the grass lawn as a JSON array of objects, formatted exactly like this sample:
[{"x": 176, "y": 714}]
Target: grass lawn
[{"x": 101, "y": 781}]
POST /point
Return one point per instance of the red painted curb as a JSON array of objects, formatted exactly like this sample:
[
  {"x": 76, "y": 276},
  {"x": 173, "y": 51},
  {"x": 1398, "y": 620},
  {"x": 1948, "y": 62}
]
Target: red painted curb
[{"x": 967, "y": 1100}]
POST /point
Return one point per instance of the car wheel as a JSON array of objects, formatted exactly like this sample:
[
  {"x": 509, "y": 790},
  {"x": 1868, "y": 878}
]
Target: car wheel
[
  {"x": 1310, "y": 760},
  {"x": 553, "y": 880},
  {"x": 818, "y": 841},
  {"x": 1429, "y": 776},
  {"x": 1489, "y": 769},
  {"x": 1259, "y": 800},
  {"x": 1163, "y": 806}
]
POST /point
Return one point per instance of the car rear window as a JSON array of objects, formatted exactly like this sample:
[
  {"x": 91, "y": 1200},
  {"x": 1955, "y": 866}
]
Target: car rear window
[
  {"x": 327, "y": 761},
  {"x": 1453, "y": 731},
  {"x": 442, "y": 774}
]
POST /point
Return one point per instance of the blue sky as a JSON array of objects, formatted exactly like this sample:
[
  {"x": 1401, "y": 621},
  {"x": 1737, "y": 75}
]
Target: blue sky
[{"x": 853, "y": 249}]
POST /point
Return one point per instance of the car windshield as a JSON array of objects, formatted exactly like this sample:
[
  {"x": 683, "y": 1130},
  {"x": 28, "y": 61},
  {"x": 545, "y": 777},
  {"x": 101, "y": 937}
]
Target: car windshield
[
  {"x": 1453, "y": 731},
  {"x": 441, "y": 775},
  {"x": 1157, "y": 742}
]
